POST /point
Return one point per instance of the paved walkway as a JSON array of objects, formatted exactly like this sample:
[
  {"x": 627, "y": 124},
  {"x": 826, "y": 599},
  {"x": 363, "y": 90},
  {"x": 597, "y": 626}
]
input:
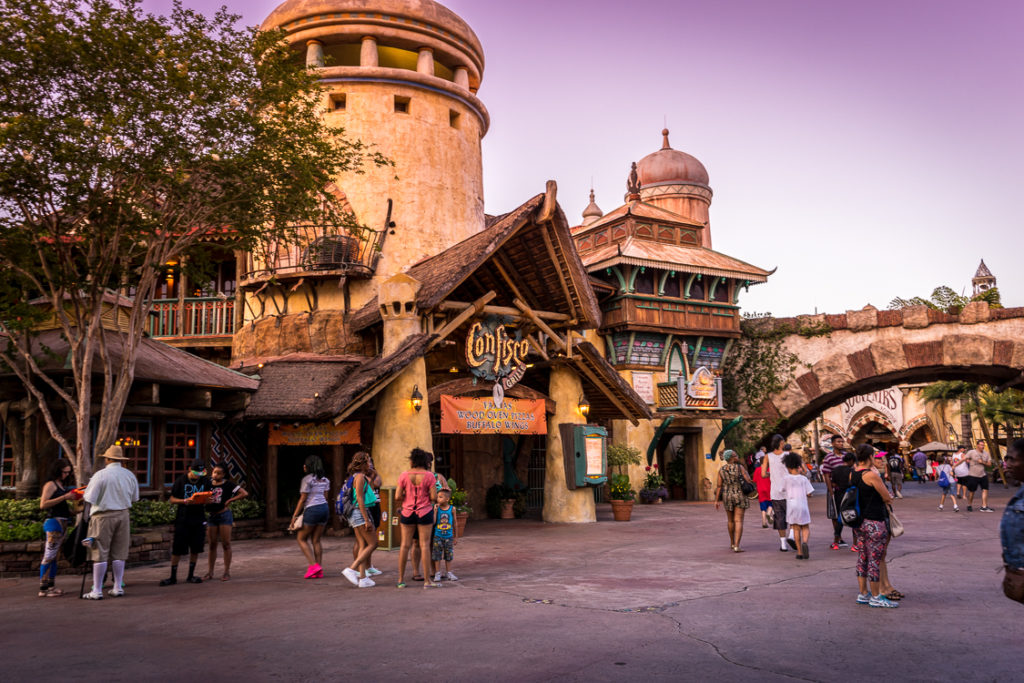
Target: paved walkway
[{"x": 659, "y": 598}]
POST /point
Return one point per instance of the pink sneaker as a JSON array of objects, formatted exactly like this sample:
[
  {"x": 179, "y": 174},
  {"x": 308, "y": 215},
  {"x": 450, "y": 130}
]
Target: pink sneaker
[{"x": 313, "y": 571}]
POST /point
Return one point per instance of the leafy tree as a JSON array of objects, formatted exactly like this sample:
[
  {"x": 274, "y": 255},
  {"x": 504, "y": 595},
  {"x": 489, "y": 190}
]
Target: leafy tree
[
  {"x": 126, "y": 140},
  {"x": 944, "y": 299}
]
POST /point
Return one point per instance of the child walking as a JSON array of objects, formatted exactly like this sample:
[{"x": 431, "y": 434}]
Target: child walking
[
  {"x": 947, "y": 482},
  {"x": 443, "y": 545},
  {"x": 798, "y": 514}
]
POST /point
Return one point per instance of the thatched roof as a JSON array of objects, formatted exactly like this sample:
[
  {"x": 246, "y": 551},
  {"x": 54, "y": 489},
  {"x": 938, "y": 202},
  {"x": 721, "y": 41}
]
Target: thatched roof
[
  {"x": 155, "y": 362},
  {"x": 517, "y": 243},
  {"x": 610, "y": 396},
  {"x": 303, "y": 389}
]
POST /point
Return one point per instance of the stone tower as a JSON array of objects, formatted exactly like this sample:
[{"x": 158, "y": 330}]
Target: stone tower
[
  {"x": 401, "y": 75},
  {"x": 983, "y": 280}
]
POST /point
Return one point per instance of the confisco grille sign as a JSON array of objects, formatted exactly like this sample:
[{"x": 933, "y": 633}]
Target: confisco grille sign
[{"x": 496, "y": 352}]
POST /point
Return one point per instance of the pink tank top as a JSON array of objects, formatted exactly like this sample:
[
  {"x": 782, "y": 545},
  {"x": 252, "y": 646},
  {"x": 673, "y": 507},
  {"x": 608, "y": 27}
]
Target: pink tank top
[{"x": 417, "y": 498}]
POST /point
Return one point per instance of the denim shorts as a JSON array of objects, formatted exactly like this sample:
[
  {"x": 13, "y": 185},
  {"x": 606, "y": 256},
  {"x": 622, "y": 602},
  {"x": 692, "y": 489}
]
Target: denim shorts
[
  {"x": 223, "y": 518},
  {"x": 356, "y": 518},
  {"x": 316, "y": 515}
]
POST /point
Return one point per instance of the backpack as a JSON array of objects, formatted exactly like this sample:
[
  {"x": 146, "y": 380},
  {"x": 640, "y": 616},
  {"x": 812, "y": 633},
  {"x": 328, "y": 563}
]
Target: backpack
[
  {"x": 895, "y": 463},
  {"x": 345, "y": 503},
  {"x": 944, "y": 479},
  {"x": 849, "y": 508}
]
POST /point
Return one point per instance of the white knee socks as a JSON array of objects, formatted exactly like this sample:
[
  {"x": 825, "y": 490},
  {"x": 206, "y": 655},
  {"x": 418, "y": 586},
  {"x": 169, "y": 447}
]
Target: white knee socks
[
  {"x": 118, "y": 574},
  {"x": 99, "y": 570}
]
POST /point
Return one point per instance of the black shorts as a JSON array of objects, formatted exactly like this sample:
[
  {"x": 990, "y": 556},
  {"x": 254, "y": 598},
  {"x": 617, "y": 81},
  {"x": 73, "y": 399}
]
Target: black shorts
[
  {"x": 973, "y": 483},
  {"x": 418, "y": 520},
  {"x": 780, "y": 515},
  {"x": 189, "y": 537}
]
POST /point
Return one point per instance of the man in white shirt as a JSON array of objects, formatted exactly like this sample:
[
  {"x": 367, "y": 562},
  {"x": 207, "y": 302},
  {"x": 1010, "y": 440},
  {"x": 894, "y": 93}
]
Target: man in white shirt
[
  {"x": 772, "y": 467},
  {"x": 978, "y": 462},
  {"x": 111, "y": 493}
]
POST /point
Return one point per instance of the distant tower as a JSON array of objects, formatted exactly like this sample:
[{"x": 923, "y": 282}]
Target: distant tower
[
  {"x": 678, "y": 182},
  {"x": 983, "y": 280},
  {"x": 592, "y": 212},
  {"x": 402, "y": 76}
]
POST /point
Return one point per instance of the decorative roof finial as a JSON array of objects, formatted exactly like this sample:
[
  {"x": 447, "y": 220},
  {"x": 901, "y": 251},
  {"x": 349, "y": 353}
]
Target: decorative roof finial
[
  {"x": 633, "y": 184},
  {"x": 664, "y": 142}
]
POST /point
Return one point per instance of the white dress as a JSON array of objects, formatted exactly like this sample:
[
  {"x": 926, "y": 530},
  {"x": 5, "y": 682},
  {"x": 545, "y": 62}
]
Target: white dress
[{"x": 797, "y": 488}]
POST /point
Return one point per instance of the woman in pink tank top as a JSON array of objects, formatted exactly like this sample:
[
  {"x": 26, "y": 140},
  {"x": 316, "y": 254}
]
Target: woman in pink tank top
[{"x": 416, "y": 494}]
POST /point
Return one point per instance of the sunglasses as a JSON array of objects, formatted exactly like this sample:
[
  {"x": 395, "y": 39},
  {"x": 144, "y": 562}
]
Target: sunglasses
[{"x": 199, "y": 472}]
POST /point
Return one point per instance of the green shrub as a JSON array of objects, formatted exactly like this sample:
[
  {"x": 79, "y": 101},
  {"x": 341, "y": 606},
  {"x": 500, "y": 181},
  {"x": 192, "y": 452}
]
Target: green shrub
[
  {"x": 248, "y": 508},
  {"x": 21, "y": 530},
  {"x": 21, "y": 510},
  {"x": 147, "y": 513}
]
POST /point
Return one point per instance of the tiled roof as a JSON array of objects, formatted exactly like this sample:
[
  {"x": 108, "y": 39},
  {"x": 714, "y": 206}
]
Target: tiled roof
[{"x": 640, "y": 252}]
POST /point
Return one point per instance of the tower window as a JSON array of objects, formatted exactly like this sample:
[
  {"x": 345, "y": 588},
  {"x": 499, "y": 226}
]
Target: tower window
[
  {"x": 453, "y": 118},
  {"x": 336, "y": 101},
  {"x": 401, "y": 104}
]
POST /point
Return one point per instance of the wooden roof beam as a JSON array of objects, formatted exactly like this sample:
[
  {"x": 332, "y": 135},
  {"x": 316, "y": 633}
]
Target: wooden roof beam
[
  {"x": 504, "y": 310},
  {"x": 473, "y": 309},
  {"x": 558, "y": 269},
  {"x": 543, "y": 326},
  {"x": 604, "y": 389}
]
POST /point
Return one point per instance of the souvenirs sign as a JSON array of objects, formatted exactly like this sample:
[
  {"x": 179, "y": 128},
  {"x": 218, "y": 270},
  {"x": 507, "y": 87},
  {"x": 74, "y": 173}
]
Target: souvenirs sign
[
  {"x": 323, "y": 434},
  {"x": 889, "y": 403},
  {"x": 703, "y": 391},
  {"x": 492, "y": 353},
  {"x": 467, "y": 415}
]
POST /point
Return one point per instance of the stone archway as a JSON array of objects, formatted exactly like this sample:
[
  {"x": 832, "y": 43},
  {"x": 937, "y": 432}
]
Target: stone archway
[{"x": 870, "y": 350}]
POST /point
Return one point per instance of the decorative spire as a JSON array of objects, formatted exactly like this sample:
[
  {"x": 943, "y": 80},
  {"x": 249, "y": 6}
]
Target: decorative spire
[
  {"x": 664, "y": 140},
  {"x": 983, "y": 270},
  {"x": 592, "y": 212}
]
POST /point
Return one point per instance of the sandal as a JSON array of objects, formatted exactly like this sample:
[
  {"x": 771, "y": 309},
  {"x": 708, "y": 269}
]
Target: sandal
[
  {"x": 895, "y": 595},
  {"x": 207, "y": 576},
  {"x": 227, "y": 577},
  {"x": 417, "y": 578},
  {"x": 431, "y": 584},
  {"x": 51, "y": 592},
  {"x": 401, "y": 585}
]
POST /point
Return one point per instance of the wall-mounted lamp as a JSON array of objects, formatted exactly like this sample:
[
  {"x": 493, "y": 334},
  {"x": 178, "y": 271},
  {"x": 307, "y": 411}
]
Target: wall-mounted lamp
[
  {"x": 584, "y": 406},
  {"x": 454, "y": 369},
  {"x": 417, "y": 398}
]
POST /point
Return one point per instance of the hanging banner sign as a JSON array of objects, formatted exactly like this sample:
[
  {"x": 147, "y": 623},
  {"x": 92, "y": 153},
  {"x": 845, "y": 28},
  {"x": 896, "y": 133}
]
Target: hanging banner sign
[
  {"x": 324, "y": 434},
  {"x": 703, "y": 391},
  {"x": 492, "y": 353},
  {"x": 467, "y": 415},
  {"x": 888, "y": 402}
]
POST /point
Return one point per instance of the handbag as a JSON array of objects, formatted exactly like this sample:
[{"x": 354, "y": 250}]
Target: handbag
[
  {"x": 1013, "y": 584},
  {"x": 830, "y": 506},
  {"x": 296, "y": 524},
  {"x": 895, "y": 525}
]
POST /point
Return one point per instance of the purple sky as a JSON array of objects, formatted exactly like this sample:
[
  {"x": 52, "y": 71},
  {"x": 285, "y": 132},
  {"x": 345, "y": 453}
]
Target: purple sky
[{"x": 868, "y": 149}]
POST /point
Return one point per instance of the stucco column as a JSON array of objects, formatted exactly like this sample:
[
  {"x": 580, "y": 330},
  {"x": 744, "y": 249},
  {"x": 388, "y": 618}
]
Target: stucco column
[
  {"x": 314, "y": 53},
  {"x": 368, "y": 52},
  {"x": 425, "y": 62},
  {"x": 399, "y": 427},
  {"x": 561, "y": 504},
  {"x": 462, "y": 77}
]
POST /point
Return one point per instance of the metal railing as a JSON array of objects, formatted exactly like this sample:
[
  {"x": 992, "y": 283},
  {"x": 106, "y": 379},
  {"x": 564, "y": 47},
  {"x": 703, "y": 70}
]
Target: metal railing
[{"x": 193, "y": 317}]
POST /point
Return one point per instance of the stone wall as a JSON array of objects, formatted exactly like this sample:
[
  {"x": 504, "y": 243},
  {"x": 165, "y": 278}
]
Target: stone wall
[{"x": 148, "y": 546}]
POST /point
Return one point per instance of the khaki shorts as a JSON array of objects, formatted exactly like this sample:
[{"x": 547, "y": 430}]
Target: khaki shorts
[{"x": 111, "y": 534}]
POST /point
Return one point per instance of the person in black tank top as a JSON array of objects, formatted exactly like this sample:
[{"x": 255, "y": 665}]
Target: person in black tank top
[
  {"x": 58, "y": 490},
  {"x": 872, "y": 537}
]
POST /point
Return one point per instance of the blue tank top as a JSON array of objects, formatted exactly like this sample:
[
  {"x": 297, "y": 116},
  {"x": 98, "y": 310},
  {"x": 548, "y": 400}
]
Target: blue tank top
[{"x": 444, "y": 523}]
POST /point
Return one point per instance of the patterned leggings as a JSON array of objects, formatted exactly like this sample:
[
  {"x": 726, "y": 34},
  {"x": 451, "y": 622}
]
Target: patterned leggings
[{"x": 872, "y": 537}]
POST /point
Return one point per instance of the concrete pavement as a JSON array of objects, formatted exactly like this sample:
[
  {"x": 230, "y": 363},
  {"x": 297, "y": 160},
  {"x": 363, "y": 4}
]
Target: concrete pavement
[{"x": 661, "y": 597}]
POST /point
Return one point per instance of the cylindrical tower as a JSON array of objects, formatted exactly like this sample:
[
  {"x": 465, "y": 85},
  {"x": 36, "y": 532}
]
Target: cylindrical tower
[{"x": 401, "y": 75}]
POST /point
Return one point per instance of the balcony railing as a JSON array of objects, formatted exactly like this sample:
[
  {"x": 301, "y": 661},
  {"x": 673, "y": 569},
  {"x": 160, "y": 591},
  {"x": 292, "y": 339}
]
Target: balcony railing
[
  {"x": 316, "y": 252},
  {"x": 196, "y": 317}
]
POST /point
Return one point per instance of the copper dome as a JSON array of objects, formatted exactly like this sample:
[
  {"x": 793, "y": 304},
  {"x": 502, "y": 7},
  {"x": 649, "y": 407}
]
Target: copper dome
[{"x": 669, "y": 166}]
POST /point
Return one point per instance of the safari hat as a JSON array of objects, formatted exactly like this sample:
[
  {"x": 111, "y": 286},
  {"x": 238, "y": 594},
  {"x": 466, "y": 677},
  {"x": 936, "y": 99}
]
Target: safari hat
[{"x": 114, "y": 453}]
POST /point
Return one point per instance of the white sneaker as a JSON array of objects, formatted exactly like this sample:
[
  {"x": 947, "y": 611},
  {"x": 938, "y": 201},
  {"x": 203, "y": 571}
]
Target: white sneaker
[
  {"x": 956, "y": 509},
  {"x": 351, "y": 574},
  {"x": 373, "y": 571},
  {"x": 93, "y": 595},
  {"x": 366, "y": 583},
  {"x": 451, "y": 577},
  {"x": 940, "y": 507},
  {"x": 437, "y": 577},
  {"x": 116, "y": 592}
]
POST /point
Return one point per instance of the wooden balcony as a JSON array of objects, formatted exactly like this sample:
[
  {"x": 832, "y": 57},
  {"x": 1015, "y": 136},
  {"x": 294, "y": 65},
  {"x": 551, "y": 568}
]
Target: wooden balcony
[
  {"x": 318, "y": 252},
  {"x": 722, "y": 320},
  {"x": 200, "y": 321}
]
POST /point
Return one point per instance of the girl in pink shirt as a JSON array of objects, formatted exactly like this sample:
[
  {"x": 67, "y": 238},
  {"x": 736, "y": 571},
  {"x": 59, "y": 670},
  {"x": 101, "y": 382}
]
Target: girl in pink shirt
[{"x": 416, "y": 494}]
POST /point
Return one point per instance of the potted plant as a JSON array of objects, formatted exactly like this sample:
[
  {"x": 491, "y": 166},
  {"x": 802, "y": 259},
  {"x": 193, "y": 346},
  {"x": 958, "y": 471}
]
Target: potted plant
[
  {"x": 620, "y": 490},
  {"x": 653, "y": 490},
  {"x": 675, "y": 476},
  {"x": 462, "y": 508},
  {"x": 502, "y": 502}
]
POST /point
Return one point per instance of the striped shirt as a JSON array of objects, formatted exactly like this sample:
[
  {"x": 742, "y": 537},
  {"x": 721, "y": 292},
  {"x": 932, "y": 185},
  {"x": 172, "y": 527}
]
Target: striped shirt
[{"x": 832, "y": 461}]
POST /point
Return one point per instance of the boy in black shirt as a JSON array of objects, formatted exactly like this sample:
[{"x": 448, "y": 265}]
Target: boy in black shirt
[
  {"x": 190, "y": 522},
  {"x": 840, "y": 482}
]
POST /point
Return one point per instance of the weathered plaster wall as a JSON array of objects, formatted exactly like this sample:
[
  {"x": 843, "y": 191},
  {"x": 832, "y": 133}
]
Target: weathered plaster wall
[{"x": 561, "y": 504}]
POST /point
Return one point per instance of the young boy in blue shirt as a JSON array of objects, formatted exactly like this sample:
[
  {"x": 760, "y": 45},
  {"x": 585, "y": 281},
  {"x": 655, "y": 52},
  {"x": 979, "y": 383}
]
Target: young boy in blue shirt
[{"x": 443, "y": 545}]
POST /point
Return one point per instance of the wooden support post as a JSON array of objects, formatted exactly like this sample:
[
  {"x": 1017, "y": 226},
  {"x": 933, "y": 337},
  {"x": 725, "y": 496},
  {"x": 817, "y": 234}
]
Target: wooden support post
[
  {"x": 475, "y": 308},
  {"x": 270, "y": 494}
]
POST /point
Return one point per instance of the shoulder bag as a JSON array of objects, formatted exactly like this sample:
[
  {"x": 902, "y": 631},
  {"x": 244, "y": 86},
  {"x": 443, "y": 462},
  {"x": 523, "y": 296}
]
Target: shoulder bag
[
  {"x": 746, "y": 486},
  {"x": 895, "y": 525}
]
